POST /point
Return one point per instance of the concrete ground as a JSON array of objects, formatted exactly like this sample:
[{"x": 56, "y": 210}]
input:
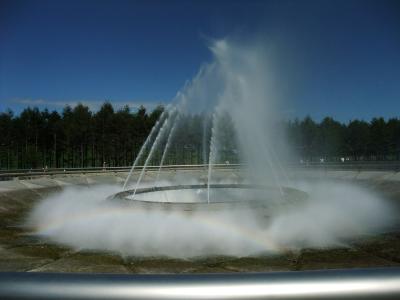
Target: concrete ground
[{"x": 20, "y": 251}]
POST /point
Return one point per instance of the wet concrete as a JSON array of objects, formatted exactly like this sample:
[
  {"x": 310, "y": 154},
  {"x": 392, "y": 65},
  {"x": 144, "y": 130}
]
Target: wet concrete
[{"x": 22, "y": 251}]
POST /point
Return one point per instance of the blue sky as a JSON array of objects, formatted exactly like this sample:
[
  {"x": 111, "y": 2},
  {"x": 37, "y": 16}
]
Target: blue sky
[{"x": 337, "y": 58}]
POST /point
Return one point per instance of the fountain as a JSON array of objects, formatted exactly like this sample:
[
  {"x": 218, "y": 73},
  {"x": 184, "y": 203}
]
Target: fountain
[
  {"x": 229, "y": 92},
  {"x": 253, "y": 210},
  {"x": 195, "y": 197}
]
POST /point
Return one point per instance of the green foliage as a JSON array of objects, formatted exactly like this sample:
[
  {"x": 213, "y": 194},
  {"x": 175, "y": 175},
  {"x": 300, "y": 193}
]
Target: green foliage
[
  {"x": 75, "y": 138},
  {"x": 79, "y": 137},
  {"x": 357, "y": 140}
]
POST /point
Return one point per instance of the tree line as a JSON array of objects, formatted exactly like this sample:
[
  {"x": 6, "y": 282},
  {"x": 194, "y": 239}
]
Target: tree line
[
  {"x": 357, "y": 140},
  {"x": 78, "y": 137}
]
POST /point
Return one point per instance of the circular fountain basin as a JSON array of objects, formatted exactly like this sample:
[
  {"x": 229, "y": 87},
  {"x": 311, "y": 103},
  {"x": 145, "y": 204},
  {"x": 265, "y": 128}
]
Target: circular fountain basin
[{"x": 215, "y": 197}]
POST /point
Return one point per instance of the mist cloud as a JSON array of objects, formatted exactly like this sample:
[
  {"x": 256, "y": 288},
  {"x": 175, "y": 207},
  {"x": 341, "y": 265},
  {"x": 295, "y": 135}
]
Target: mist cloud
[{"x": 82, "y": 218}]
